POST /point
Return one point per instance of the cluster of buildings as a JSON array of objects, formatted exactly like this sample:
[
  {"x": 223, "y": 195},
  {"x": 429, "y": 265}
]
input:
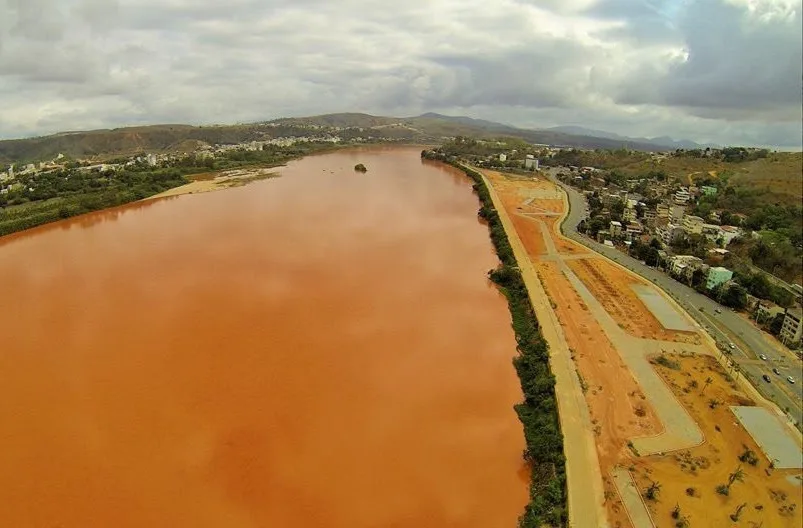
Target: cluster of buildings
[{"x": 668, "y": 221}]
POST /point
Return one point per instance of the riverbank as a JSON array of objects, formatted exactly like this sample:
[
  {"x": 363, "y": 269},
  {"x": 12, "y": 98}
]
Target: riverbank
[
  {"x": 217, "y": 182},
  {"x": 538, "y": 412},
  {"x": 53, "y": 196}
]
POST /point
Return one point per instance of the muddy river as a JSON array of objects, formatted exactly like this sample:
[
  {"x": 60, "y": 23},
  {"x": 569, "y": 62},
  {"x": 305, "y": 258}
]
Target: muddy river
[{"x": 321, "y": 349}]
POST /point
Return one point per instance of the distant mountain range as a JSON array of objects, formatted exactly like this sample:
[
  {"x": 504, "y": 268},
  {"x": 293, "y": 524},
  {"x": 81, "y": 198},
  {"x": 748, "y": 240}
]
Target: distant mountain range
[
  {"x": 663, "y": 141},
  {"x": 429, "y": 127}
]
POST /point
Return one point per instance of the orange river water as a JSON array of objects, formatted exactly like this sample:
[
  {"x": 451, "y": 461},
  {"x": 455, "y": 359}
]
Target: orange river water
[{"x": 317, "y": 350}]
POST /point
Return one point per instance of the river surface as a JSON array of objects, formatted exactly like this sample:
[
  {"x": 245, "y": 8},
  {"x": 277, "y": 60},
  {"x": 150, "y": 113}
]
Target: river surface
[{"x": 317, "y": 350}]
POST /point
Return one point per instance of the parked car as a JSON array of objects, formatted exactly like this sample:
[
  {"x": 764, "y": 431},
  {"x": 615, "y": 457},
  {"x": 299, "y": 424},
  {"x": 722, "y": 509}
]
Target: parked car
[
  {"x": 763, "y": 357},
  {"x": 732, "y": 346},
  {"x": 766, "y": 378},
  {"x": 776, "y": 371},
  {"x": 717, "y": 310},
  {"x": 790, "y": 379}
]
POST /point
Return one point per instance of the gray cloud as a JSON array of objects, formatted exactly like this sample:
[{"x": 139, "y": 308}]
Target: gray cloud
[{"x": 714, "y": 70}]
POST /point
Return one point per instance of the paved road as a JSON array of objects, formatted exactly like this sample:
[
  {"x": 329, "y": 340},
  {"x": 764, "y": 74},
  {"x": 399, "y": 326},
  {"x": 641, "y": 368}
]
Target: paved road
[{"x": 727, "y": 327}]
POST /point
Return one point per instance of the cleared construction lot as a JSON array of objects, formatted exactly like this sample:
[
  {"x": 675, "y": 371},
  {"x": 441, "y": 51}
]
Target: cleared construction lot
[
  {"x": 648, "y": 379},
  {"x": 669, "y": 317}
]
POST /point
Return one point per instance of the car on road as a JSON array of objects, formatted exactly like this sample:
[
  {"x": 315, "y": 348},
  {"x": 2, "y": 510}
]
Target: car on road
[
  {"x": 766, "y": 378},
  {"x": 790, "y": 379},
  {"x": 732, "y": 346},
  {"x": 717, "y": 310},
  {"x": 763, "y": 357},
  {"x": 776, "y": 371}
]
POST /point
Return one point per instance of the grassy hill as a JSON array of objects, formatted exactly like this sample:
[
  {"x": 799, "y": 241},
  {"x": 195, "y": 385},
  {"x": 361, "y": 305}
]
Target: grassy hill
[
  {"x": 778, "y": 178},
  {"x": 120, "y": 141},
  {"x": 169, "y": 138}
]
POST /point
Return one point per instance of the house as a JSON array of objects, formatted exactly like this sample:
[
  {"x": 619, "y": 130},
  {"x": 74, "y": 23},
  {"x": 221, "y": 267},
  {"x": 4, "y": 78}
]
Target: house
[
  {"x": 693, "y": 224},
  {"x": 682, "y": 196},
  {"x": 728, "y": 233},
  {"x": 649, "y": 214},
  {"x": 716, "y": 255},
  {"x": 717, "y": 276},
  {"x": 792, "y": 328},
  {"x": 616, "y": 228},
  {"x": 708, "y": 190},
  {"x": 603, "y": 235},
  {"x": 629, "y": 215},
  {"x": 633, "y": 230},
  {"x": 530, "y": 162},
  {"x": 684, "y": 265},
  {"x": 715, "y": 216},
  {"x": 669, "y": 233},
  {"x": 662, "y": 210},
  {"x": 610, "y": 198},
  {"x": 676, "y": 213},
  {"x": 502, "y": 157}
]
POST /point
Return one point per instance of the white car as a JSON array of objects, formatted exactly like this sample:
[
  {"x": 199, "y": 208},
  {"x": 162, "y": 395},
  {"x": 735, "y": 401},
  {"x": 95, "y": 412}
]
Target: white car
[
  {"x": 733, "y": 347},
  {"x": 763, "y": 357},
  {"x": 790, "y": 379}
]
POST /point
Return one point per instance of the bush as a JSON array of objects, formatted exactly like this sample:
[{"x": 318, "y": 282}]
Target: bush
[{"x": 668, "y": 363}]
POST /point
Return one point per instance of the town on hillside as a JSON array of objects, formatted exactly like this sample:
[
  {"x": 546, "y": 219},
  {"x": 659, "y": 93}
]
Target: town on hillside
[{"x": 707, "y": 229}]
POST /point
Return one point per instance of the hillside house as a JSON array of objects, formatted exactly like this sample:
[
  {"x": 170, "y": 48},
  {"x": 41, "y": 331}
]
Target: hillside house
[
  {"x": 693, "y": 224},
  {"x": 716, "y": 276},
  {"x": 792, "y": 328}
]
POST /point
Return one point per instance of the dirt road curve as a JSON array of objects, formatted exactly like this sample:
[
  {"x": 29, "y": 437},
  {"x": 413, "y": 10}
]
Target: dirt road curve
[{"x": 584, "y": 480}]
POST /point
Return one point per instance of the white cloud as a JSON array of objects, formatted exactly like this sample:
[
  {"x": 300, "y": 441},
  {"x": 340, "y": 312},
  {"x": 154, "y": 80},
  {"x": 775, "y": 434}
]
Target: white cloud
[{"x": 715, "y": 70}]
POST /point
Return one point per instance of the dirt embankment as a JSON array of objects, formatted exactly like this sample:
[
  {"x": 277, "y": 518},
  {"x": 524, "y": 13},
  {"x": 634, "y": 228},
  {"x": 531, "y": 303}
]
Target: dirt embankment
[{"x": 688, "y": 479}]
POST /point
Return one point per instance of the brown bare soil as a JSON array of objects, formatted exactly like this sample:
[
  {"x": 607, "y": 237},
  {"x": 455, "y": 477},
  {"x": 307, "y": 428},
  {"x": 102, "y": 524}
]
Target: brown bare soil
[
  {"x": 617, "y": 406},
  {"x": 530, "y": 233},
  {"x": 612, "y": 287},
  {"x": 689, "y": 478},
  {"x": 523, "y": 200}
]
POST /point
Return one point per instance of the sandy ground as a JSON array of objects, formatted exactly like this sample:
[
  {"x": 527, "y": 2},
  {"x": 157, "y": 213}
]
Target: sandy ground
[
  {"x": 612, "y": 287},
  {"x": 584, "y": 478},
  {"x": 209, "y": 182},
  {"x": 705, "y": 467},
  {"x": 618, "y": 408}
]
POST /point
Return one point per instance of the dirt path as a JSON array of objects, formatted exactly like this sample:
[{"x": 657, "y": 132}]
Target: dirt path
[{"x": 583, "y": 476}]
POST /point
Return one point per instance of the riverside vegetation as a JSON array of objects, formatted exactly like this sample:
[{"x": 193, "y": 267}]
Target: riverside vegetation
[
  {"x": 538, "y": 412},
  {"x": 36, "y": 199}
]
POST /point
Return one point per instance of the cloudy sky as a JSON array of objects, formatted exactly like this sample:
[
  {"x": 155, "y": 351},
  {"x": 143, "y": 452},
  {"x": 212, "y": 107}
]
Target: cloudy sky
[{"x": 725, "y": 71}]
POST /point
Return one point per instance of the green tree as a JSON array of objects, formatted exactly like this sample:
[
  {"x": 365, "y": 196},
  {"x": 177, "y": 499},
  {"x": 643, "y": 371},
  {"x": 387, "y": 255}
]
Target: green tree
[{"x": 734, "y": 296}]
